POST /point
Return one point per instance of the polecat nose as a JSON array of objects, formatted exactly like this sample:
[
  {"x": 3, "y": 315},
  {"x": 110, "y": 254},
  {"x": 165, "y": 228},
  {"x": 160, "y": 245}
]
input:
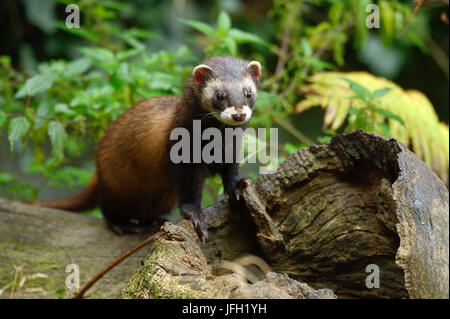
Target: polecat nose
[{"x": 238, "y": 117}]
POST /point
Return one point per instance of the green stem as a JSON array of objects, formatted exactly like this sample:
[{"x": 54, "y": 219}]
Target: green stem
[{"x": 285, "y": 123}]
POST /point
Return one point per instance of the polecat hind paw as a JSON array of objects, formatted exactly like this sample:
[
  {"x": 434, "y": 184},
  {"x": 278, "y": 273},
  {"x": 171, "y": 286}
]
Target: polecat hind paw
[{"x": 125, "y": 229}]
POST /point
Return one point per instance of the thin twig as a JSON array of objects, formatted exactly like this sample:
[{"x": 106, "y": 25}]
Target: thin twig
[
  {"x": 284, "y": 123},
  {"x": 416, "y": 8},
  {"x": 325, "y": 46},
  {"x": 317, "y": 55},
  {"x": 287, "y": 125},
  {"x": 115, "y": 263},
  {"x": 419, "y": 3},
  {"x": 438, "y": 55},
  {"x": 283, "y": 52},
  {"x": 282, "y": 55}
]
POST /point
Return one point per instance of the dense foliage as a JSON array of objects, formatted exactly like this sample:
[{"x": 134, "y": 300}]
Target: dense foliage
[{"x": 69, "y": 103}]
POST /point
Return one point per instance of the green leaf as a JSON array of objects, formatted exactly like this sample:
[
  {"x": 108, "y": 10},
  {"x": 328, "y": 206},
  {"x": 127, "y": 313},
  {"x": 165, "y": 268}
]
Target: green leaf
[
  {"x": 162, "y": 81},
  {"x": 380, "y": 92},
  {"x": 330, "y": 132},
  {"x": 362, "y": 121},
  {"x": 64, "y": 109},
  {"x": 335, "y": 13},
  {"x": 353, "y": 110},
  {"x": 415, "y": 38},
  {"x": 18, "y": 127},
  {"x": 64, "y": 176},
  {"x": 16, "y": 188},
  {"x": 97, "y": 54},
  {"x": 388, "y": 22},
  {"x": 339, "y": 49},
  {"x": 44, "y": 110},
  {"x": 199, "y": 26},
  {"x": 141, "y": 33},
  {"x": 80, "y": 32},
  {"x": 245, "y": 37},
  {"x": 265, "y": 99},
  {"x": 76, "y": 67},
  {"x": 324, "y": 139},
  {"x": 318, "y": 63},
  {"x": 120, "y": 76},
  {"x": 383, "y": 128},
  {"x": 81, "y": 99},
  {"x": 36, "y": 85},
  {"x": 57, "y": 135},
  {"x": 2, "y": 118},
  {"x": 390, "y": 115},
  {"x": 5, "y": 178},
  {"x": 132, "y": 41},
  {"x": 293, "y": 148},
  {"x": 223, "y": 22},
  {"x": 360, "y": 90},
  {"x": 5, "y": 61},
  {"x": 360, "y": 15},
  {"x": 123, "y": 55},
  {"x": 306, "y": 48},
  {"x": 231, "y": 45}
]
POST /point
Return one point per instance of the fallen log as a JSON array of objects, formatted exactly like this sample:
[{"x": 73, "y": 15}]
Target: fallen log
[{"x": 308, "y": 230}]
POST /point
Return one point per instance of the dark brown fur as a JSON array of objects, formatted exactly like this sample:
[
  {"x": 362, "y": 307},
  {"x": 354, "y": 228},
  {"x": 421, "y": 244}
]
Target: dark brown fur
[
  {"x": 135, "y": 179},
  {"x": 132, "y": 160}
]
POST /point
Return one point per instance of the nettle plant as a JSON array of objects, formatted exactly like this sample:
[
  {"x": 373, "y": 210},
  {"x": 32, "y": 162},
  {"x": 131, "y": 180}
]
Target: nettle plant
[
  {"x": 222, "y": 40},
  {"x": 71, "y": 104}
]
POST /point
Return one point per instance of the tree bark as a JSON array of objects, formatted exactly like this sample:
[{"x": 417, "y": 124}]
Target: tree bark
[
  {"x": 331, "y": 210},
  {"x": 325, "y": 215}
]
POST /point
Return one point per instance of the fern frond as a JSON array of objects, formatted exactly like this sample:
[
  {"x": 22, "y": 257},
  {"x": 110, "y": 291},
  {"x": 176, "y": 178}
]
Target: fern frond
[{"x": 422, "y": 131}]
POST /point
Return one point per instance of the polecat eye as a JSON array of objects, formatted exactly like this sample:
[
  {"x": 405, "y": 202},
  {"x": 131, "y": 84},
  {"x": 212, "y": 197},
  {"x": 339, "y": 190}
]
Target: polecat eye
[
  {"x": 219, "y": 96},
  {"x": 249, "y": 95}
]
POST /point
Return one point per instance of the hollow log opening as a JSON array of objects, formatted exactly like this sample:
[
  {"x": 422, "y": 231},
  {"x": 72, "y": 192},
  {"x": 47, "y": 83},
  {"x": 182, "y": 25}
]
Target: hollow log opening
[
  {"x": 334, "y": 226},
  {"x": 327, "y": 215}
]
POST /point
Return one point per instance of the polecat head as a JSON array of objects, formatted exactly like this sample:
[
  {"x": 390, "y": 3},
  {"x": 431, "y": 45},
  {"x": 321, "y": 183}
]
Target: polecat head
[{"x": 227, "y": 87}]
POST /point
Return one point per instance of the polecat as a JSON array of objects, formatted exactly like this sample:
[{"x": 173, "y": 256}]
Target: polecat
[{"x": 135, "y": 178}]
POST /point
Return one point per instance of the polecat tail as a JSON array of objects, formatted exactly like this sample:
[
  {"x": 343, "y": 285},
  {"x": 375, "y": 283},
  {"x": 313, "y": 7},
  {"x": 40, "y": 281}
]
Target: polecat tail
[{"x": 87, "y": 199}]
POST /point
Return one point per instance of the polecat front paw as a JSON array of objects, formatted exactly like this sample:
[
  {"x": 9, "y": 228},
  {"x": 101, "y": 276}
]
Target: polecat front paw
[
  {"x": 236, "y": 188},
  {"x": 195, "y": 215},
  {"x": 242, "y": 184}
]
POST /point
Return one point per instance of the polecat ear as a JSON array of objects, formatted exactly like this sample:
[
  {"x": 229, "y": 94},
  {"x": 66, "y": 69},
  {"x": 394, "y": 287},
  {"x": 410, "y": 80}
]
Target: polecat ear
[
  {"x": 201, "y": 73},
  {"x": 254, "y": 68}
]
